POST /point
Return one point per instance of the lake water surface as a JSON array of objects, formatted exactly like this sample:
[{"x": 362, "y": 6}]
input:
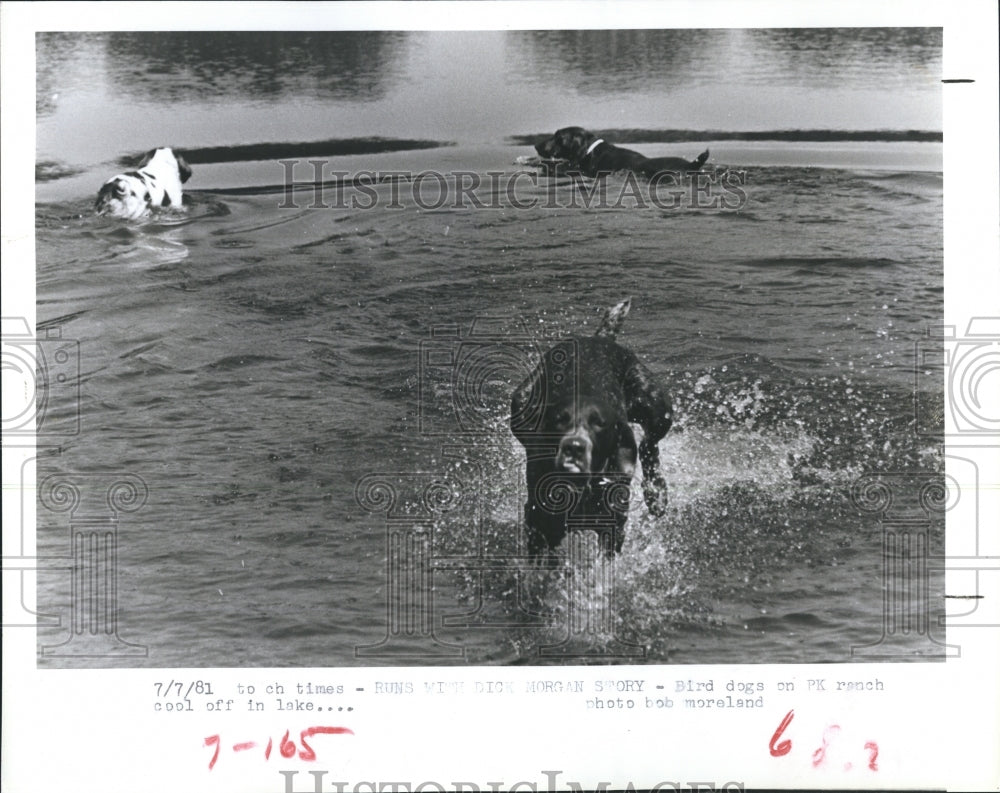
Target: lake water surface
[{"x": 261, "y": 359}]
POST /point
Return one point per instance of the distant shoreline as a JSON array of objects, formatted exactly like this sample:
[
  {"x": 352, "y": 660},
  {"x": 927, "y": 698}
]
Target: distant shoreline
[{"x": 791, "y": 135}]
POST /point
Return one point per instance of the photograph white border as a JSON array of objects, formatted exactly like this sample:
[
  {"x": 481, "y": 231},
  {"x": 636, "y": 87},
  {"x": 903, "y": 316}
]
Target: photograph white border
[{"x": 936, "y": 723}]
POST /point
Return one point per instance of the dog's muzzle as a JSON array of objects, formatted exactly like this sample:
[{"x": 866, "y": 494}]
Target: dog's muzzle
[
  {"x": 545, "y": 148},
  {"x": 575, "y": 453}
]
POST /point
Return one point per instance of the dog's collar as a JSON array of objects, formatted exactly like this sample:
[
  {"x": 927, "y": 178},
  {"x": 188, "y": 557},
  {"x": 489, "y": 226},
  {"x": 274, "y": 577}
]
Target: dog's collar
[{"x": 593, "y": 146}]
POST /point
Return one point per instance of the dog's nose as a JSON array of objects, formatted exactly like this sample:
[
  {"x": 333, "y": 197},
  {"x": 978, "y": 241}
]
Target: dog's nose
[{"x": 573, "y": 451}]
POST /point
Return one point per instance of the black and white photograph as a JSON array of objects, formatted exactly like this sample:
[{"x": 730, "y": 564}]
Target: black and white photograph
[
  {"x": 308, "y": 365},
  {"x": 549, "y": 365}
]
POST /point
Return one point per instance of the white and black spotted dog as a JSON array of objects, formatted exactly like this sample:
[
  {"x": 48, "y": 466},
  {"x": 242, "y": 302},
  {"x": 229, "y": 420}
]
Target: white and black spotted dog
[{"x": 155, "y": 183}]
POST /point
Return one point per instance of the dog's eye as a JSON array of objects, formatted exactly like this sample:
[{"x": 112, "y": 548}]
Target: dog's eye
[{"x": 120, "y": 189}]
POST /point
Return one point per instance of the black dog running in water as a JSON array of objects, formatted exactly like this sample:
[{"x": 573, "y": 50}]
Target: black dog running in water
[
  {"x": 572, "y": 416},
  {"x": 593, "y": 156}
]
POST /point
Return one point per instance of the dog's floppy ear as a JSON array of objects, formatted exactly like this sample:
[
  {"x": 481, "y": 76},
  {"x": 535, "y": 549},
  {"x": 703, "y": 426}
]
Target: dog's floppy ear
[
  {"x": 183, "y": 168},
  {"x": 626, "y": 454},
  {"x": 526, "y": 406},
  {"x": 583, "y": 140}
]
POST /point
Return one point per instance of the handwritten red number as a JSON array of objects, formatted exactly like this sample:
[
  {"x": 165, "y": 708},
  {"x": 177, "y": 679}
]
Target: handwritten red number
[
  {"x": 307, "y": 752},
  {"x": 820, "y": 754},
  {"x": 213, "y": 739},
  {"x": 286, "y": 746},
  {"x": 872, "y": 747},
  {"x": 783, "y": 748}
]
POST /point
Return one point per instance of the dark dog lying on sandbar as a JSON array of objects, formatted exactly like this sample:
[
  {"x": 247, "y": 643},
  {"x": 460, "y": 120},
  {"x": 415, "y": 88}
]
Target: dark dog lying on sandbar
[{"x": 593, "y": 156}]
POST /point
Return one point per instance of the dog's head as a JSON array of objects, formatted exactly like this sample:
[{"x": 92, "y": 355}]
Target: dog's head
[
  {"x": 132, "y": 194},
  {"x": 124, "y": 196},
  {"x": 568, "y": 143},
  {"x": 589, "y": 436}
]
